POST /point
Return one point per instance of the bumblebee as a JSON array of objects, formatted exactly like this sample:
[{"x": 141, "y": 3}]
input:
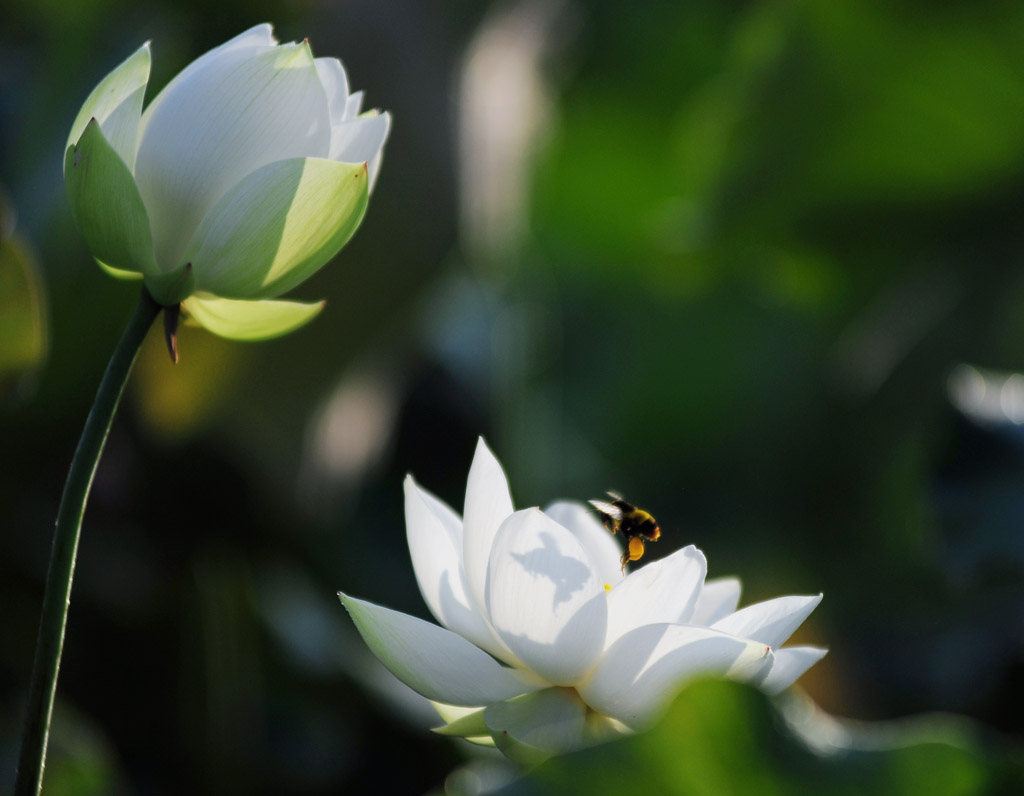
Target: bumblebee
[{"x": 634, "y": 524}]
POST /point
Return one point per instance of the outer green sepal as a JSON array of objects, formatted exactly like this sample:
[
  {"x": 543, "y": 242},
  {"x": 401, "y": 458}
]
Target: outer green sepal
[
  {"x": 173, "y": 287},
  {"x": 250, "y": 320},
  {"x": 533, "y": 727},
  {"x": 278, "y": 226},
  {"x": 106, "y": 204}
]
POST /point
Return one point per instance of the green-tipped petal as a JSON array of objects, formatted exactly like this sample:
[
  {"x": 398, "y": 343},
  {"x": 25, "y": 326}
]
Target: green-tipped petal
[
  {"x": 106, "y": 204},
  {"x": 117, "y": 273},
  {"x": 481, "y": 740},
  {"x": 471, "y": 725},
  {"x": 173, "y": 287},
  {"x": 277, "y": 227},
  {"x": 116, "y": 103},
  {"x": 452, "y": 713},
  {"x": 251, "y": 320}
]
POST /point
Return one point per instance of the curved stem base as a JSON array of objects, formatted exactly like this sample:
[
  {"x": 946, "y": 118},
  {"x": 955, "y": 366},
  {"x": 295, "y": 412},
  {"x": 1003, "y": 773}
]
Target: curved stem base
[{"x": 50, "y": 642}]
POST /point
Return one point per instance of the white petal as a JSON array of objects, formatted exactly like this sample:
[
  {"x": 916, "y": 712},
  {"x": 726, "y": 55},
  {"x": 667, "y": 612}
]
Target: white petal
[
  {"x": 771, "y": 622},
  {"x": 256, "y": 36},
  {"x": 452, "y": 522},
  {"x": 435, "y": 560},
  {"x": 544, "y": 599},
  {"x": 790, "y": 663},
  {"x": 662, "y": 591},
  {"x": 432, "y": 661},
  {"x": 641, "y": 673},
  {"x": 603, "y": 548},
  {"x": 354, "y": 105},
  {"x": 335, "y": 82},
  {"x": 488, "y": 504},
  {"x": 361, "y": 140},
  {"x": 244, "y": 109},
  {"x": 717, "y": 600},
  {"x": 373, "y": 164}
]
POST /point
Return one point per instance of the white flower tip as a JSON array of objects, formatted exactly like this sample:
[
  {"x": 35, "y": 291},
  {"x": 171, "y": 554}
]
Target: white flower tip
[
  {"x": 294, "y": 55},
  {"x": 268, "y": 28},
  {"x": 483, "y": 457}
]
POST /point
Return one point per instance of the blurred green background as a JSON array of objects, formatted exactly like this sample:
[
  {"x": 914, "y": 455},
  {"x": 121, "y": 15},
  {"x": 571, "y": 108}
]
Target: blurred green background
[{"x": 756, "y": 265}]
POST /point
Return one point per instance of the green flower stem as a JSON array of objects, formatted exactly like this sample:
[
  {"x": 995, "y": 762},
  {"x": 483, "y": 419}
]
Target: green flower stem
[{"x": 50, "y": 642}]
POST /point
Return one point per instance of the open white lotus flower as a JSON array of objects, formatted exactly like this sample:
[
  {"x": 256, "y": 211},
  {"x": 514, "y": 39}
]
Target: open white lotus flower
[
  {"x": 243, "y": 177},
  {"x": 545, "y": 645}
]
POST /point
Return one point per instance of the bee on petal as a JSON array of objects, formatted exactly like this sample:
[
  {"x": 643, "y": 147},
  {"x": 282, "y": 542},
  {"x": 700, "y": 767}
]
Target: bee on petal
[{"x": 634, "y": 524}]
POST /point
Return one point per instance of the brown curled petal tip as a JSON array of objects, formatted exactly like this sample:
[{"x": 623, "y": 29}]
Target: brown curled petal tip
[{"x": 171, "y": 316}]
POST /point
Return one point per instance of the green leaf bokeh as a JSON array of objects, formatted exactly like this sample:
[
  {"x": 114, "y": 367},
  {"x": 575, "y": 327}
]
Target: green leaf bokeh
[{"x": 720, "y": 739}]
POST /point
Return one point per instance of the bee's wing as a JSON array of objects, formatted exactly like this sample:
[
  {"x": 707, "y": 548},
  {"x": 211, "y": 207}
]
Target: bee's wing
[
  {"x": 615, "y": 496},
  {"x": 609, "y": 509}
]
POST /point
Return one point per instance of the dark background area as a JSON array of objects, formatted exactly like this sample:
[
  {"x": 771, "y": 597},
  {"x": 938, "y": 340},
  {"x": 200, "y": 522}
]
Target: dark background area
[{"x": 756, "y": 265}]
